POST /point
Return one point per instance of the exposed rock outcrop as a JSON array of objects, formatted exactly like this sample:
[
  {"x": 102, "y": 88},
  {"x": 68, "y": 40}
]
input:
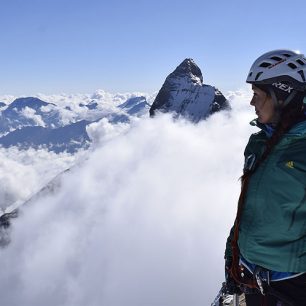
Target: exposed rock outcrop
[{"x": 185, "y": 94}]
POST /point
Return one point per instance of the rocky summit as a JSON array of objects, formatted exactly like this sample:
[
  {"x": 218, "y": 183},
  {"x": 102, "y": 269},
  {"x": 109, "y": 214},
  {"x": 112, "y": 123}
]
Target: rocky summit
[{"x": 185, "y": 94}]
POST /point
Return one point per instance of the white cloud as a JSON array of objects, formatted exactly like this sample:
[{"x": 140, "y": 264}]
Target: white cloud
[
  {"x": 142, "y": 222},
  {"x": 100, "y": 96},
  {"x": 47, "y": 108},
  {"x": 7, "y": 99},
  {"x": 70, "y": 109},
  {"x": 24, "y": 172},
  {"x": 31, "y": 114},
  {"x": 117, "y": 98},
  {"x": 102, "y": 131}
]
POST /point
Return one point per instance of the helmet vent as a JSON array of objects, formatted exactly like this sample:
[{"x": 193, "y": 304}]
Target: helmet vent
[
  {"x": 286, "y": 54},
  {"x": 258, "y": 75},
  {"x": 293, "y": 66},
  {"x": 264, "y": 65},
  {"x": 301, "y": 72},
  {"x": 276, "y": 58},
  {"x": 300, "y": 62}
]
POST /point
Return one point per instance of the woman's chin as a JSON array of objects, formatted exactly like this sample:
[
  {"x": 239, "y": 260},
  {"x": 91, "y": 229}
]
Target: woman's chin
[{"x": 260, "y": 120}]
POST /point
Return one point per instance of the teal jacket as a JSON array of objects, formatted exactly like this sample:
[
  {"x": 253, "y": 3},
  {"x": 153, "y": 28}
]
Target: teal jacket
[{"x": 272, "y": 230}]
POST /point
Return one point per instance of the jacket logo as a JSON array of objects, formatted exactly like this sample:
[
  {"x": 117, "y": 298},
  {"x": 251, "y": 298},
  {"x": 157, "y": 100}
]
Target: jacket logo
[{"x": 290, "y": 164}]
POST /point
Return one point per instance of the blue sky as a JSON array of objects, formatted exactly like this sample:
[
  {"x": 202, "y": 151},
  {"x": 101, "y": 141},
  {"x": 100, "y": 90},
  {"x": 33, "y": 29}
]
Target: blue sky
[{"x": 78, "y": 46}]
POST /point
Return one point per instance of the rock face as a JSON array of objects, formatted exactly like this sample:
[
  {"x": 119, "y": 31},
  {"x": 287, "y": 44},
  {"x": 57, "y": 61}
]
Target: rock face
[{"x": 185, "y": 94}]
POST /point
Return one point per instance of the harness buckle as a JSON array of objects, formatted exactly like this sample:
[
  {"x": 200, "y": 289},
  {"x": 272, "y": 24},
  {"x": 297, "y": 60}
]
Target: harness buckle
[{"x": 261, "y": 281}]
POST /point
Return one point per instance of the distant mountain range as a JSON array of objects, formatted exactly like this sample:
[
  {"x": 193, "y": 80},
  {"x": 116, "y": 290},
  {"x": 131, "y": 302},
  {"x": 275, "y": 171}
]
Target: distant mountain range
[{"x": 31, "y": 122}]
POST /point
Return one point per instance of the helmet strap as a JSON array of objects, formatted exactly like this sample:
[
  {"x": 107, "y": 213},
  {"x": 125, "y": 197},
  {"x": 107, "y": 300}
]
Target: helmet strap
[
  {"x": 276, "y": 102},
  {"x": 274, "y": 99},
  {"x": 290, "y": 97}
]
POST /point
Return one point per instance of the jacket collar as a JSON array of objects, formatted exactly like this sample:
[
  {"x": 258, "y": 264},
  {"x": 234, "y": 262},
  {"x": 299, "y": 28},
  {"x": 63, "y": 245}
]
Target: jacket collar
[
  {"x": 298, "y": 129},
  {"x": 267, "y": 128}
]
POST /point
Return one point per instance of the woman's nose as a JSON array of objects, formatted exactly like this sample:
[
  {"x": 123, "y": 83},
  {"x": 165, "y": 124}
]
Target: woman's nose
[{"x": 252, "y": 102}]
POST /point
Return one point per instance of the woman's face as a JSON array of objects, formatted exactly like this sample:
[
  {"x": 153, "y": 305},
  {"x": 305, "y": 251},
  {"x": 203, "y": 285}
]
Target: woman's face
[{"x": 264, "y": 106}]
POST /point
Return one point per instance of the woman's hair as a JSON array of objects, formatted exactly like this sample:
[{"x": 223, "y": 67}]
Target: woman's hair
[{"x": 290, "y": 115}]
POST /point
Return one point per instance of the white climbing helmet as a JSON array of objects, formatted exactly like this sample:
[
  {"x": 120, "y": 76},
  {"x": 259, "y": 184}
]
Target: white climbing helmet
[{"x": 282, "y": 67}]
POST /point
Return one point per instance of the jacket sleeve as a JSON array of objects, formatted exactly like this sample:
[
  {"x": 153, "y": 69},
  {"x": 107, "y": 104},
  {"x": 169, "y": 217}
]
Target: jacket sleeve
[{"x": 228, "y": 249}]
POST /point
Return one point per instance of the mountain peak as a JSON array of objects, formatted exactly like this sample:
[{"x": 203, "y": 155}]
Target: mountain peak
[
  {"x": 31, "y": 102},
  {"x": 188, "y": 67},
  {"x": 184, "y": 94}
]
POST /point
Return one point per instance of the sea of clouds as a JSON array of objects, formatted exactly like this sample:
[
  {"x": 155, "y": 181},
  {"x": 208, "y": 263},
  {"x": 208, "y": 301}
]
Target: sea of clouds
[{"x": 140, "y": 220}]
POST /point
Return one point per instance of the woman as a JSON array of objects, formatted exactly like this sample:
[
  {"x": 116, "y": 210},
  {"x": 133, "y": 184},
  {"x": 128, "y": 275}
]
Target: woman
[{"x": 266, "y": 250}]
